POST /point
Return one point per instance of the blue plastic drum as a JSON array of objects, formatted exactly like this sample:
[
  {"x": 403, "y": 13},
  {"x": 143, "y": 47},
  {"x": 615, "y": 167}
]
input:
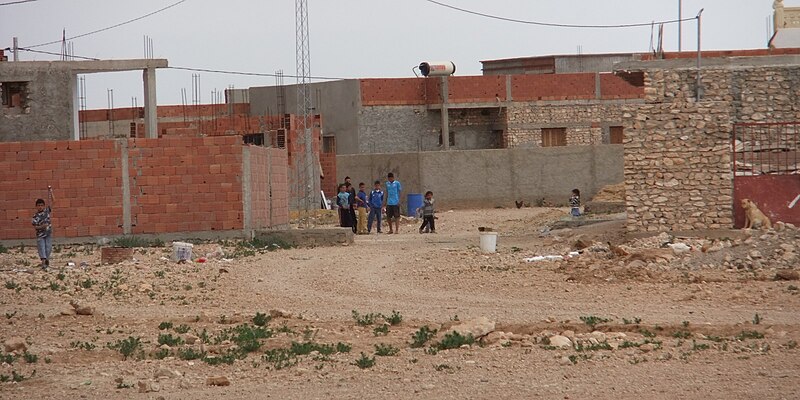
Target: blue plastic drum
[{"x": 414, "y": 202}]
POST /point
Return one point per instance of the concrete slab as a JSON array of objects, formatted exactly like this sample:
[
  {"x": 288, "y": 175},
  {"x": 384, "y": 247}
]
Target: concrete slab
[{"x": 308, "y": 237}]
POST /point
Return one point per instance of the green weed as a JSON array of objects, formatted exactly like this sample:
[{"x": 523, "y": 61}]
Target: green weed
[
  {"x": 11, "y": 285},
  {"x": 261, "y": 319},
  {"x": 132, "y": 346},
  {"x": 382, "y": 330},
  {"x": 395, "y": 318},
  {"x": 165, "y": 326},
  {"x": 366, "y": 319},
  {"x": 365, "y": 362},
  {"x": 422, "y": 336},
  {"x": 385, "y": 350},
  {"x": 30, "y": 358},
  {"x": 454, "y": 340},
  {"x": 744, "y": 335},
  {"x": 169, "y": 340},
  {"x": 593, "y": 320}
]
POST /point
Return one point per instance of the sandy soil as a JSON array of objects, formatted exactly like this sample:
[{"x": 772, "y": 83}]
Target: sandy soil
[{"x": 709, "y": 323}]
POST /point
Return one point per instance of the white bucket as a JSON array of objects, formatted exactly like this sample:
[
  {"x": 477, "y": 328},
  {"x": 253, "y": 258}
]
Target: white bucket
[
  {"x": 488, "y": 242},
  {"x": 181, "y": 251}
]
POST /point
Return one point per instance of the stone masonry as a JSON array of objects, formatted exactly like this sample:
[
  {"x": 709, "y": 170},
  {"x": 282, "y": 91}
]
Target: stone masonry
[{"x": 678, "y": 172}]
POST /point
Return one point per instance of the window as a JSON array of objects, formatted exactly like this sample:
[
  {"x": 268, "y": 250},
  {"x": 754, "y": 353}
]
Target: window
[
  {"x": 552, "y": 137},
  {"x": 329, "y": 144},
  {"x": 14, "y": 94},
  {"x": 616, "y": 135},
  {"x": 255, "y": 138}
]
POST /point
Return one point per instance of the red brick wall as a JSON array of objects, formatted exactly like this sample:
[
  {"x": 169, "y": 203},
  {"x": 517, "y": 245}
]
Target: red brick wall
[
  {"x": 393, "y": 91},
  {"x": 614, "y": 87},
  {"x": 203, "y": 110},
  {"x": 328, "y": 161},
  {"x": 86, "y": 178},
  {"x": 177, "y": 184},
  {"x": 553, "y": 87},
  {"x": 186, "y": 184}
]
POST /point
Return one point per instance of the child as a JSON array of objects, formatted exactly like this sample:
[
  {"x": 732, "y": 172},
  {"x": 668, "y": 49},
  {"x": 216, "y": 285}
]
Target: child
[
  {"x": 362, "y": 209},
  {"x": 44, "y": 230},
  {"x": 343, "y": 201},
  {"x": 375, "y": 204},
  {"x": 575, "y": 203},
  {"x": 427, "y": 214},
  {"x": 351, "y": 191}
]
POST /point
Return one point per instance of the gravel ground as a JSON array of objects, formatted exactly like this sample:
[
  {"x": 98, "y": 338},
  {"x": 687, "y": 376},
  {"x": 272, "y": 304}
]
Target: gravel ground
[{"x": 710, "y": 323}]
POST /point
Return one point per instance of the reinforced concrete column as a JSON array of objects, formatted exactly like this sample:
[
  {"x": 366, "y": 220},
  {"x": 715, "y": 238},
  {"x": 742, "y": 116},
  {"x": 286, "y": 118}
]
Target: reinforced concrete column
[
  {"x": 247, "y": 190},
  {"x": 150, "y": 104},
  {"x": 445, "y": 116},
  {"x": 76, "y": 108},
  {"x": 127, "y": 225}
]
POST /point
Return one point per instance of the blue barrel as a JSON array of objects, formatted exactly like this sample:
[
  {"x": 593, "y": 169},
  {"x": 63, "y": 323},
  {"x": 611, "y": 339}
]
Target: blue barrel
[{"x": 414, "y": 202}]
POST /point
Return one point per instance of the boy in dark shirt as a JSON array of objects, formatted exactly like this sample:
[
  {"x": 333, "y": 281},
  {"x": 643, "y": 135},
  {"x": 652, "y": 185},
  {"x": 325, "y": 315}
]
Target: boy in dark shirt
[
  {"x": 44, "y": 229},
  {"x": 375, "y": 204}
]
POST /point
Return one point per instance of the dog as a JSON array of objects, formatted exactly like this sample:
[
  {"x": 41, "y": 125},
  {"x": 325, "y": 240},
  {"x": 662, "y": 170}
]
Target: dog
[{"x": 753, "y": 217}]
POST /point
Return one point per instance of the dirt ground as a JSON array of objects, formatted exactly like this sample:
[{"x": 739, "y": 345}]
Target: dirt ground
[{"x": 636, "y": 319}]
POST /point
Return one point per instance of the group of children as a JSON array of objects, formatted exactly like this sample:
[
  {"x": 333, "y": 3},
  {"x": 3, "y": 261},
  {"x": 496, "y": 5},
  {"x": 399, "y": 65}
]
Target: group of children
[{"x": 354, "y": 206}]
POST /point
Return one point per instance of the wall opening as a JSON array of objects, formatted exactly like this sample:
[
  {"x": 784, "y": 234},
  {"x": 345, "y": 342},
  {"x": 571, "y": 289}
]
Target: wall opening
[
  {"x": 254, "y": 139},
  {"x": 329, "y": 144},
  {"x": 14, "y": 94},
  {"x": 616, "y": 134},
  {"x": 452, "y": 138},
  {"x": 552, "y": 137}
]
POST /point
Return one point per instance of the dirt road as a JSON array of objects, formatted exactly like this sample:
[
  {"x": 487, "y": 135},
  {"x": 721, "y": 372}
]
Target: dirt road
[{"x": 688, "y": 327}]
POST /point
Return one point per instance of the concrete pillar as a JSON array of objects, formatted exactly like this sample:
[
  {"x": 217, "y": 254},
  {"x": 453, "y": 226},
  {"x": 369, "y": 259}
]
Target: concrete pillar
[
  {"x": 445, "y": 119},
  {"x": 127, "y": 224},
  {"x": 150, "y": 104},
  {"x": 76, "y": 108},
  {"x": 247, "y": 191},
  {"x": 597, "y": 87}
]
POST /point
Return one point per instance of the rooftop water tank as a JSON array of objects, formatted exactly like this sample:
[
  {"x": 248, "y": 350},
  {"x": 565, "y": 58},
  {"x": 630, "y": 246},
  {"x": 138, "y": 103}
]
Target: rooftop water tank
[{"x": 437, "y": 68}]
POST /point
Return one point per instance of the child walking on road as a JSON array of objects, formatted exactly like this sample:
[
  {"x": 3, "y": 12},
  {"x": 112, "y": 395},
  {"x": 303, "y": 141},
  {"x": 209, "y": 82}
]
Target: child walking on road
[
  {"x": 44, "y": 229},
  {"x": 428, "y": 223}
]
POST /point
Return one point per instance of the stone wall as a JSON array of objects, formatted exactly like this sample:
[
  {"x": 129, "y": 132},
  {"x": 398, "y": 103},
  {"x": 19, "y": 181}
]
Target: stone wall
[
  {"x": 586, "y": 122},
  {"x": 678, "y": 173}
]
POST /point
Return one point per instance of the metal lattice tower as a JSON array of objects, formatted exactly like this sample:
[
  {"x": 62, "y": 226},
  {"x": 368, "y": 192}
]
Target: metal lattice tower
[{"x": 305, "y": 165}]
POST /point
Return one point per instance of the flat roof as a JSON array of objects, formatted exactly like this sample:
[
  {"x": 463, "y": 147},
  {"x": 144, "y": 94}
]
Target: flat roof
[{"x": 87, "y": 66}]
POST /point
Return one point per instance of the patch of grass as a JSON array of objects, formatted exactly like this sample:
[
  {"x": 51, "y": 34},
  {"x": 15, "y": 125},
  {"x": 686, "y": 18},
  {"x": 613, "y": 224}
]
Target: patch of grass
[
  {"x": 55, "y": 286},
  {"x": 593, "y": 320},
  {"x": 285, "y": 329},
  {"x": 136, "y": 241},
  {"x": 700, "y": 346},
  {"x": 183, "y": 328},
  {"x": 87, "y": 284},
  {"x": 365, "y": 362},
  {"x": 190, "y": 354},
  {"x": 11, "y": 285},
  {"x": 454, "y": 340},
  {"x": 227, "y": 358},
  {"x": 385, "y": 350},
  {"x": 647, "y": 333},
  {"x": 626, "y": 344},
  {"x": 395, "y": 319},
  {"x": 716, "y": 339},
  {"x": 123, "y": 385},
  {"x": 247, "y": 337},
  {"x": 162, "y": 354},
  {"x": 343, "y": 347},
  {"x": 382, "y": 330},
  {"x": 280, "y": 358},
  {"x": 757, "y": 319},
  {"x": 3, "y": 249},
  {"x": 165, "y": 326},
  {"x": 88, "y": 346},
  {"x": 30, "y": 358},
  {"x": 682, "y": 334},
  {"x": 593, "y": 347},
  {"x": 443, "y": 367},
  {"x": 635, "y": 320},
  {"x": 169, "y": 340},
  {"x": 744, "y": 335},
  {"x": 160, "y": 274},
  {"x": 422, "y": 336},
  {"x": 261, "y": 319},
  {"x": 60, "y": 276},
  {"x": 8, "y": 358},
  {"x": 132, "y": 346},
  {"x": 365, "y": 319},
  {"x": 685, "y": 324}
]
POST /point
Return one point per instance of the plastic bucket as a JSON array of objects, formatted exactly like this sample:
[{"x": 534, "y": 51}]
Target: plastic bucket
[
  {"x": 414, "y": 202},
  {"x": 488, "y": 242},
  {"x": 181, "y": 251}
]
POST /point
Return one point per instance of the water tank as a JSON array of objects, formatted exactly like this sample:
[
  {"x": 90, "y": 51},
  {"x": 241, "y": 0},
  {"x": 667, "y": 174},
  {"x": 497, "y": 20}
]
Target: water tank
[
  {"x": 415, "y": 201},
  {"x": 437, "y": 68}
]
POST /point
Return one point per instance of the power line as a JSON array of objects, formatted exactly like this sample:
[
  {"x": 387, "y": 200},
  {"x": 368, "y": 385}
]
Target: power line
[
  {"x": 217, "y": 71},
  {"x": 55, "y": 54},
  {"x": 11, "y": 3},
  {"x": 555, "y": 25},
  {"x": 112, "y": 26}
]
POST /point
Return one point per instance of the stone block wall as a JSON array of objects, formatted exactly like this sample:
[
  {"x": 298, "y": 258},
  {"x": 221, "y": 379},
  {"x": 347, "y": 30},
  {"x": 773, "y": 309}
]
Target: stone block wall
[
  {"x": 586, "y": 123},
  {"x": 678, "y": 172}
]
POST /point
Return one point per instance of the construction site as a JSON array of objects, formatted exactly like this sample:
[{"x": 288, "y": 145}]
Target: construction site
[{"x": 198, "y": 251}]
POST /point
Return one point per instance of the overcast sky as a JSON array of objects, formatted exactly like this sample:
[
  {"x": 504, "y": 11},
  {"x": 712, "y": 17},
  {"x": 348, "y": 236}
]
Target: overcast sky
[{"x": 352, "y": 39}]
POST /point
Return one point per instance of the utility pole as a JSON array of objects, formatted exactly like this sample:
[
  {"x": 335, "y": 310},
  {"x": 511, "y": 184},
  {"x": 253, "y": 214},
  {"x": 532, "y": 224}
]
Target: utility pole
[
  {"x": 699, "y": 84},
  {"x": 680, "y": 24},
  {"x": 306, "y": 166},
  {"x": 16, "y": 49}
]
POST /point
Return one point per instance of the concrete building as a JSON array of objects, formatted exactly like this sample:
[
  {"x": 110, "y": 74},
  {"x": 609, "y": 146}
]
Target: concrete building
[
  {"x": 557, "y": 64},
  {"x": 786, "y": 26},
  {"x": 40, "y": 98}
]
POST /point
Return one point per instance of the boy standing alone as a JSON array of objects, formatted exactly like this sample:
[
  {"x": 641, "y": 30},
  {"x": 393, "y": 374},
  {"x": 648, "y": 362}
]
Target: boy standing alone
[
  {"x": 44, "y": 229},
  {"x": 428, "y": 223},
  {"x": 392, "y": 203},
  {"x": 375, "y": 205}
]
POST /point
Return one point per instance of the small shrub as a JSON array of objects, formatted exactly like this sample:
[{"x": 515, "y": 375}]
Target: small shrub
[
  {"x": 385, "y": 350},
  {"x": 343, "y": 347},
  {"x": 280, "y": 358},
  {"x": 161, "y": 354},
  {"x": 682, "y": 334},
  {"x": 593, "y": 347},
  {"x": 593, "y": 320},
  {"x": 395, "y": 319},
  {"x": 382, "y": 330},
  {"x": 442, "y": 367},
  {"x": 11, "y": 285},
  {"x": 8, "y": 358},
  {"x": 454, "y": 340},
  {"x": 3, "y": 249},
  {"x": 749, "y": 335},
  {"x": 169, "y": 340},
  {"x": 128, "y": 347},
  {"x": 190, "y": 354},
  {"x": 366, "y": 319},
  {"x": 227, "y": 358},
  {"x": 182, "y": 329},
  {"x": 261, "y": 319},
  {"x": 701, "y": 346},
  {"x": 422, "y": 336},
  {"x": 30, "y": 358},
  {"x": 88, "y": 346},
  {"x": 164, "y": 326},
  {"x": 87, "y": 284},
  {"x": 365, "y": 362}
]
